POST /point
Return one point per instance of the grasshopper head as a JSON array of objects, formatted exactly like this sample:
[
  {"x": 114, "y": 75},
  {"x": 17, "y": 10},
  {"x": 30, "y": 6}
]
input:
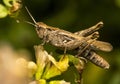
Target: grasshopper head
[
  {"x": 41, "y": 29},
  {"x": 41, "y": 25}
]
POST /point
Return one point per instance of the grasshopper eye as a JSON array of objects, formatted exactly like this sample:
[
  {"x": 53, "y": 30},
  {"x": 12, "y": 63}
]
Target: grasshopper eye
[{"x": 38, "y": 28}]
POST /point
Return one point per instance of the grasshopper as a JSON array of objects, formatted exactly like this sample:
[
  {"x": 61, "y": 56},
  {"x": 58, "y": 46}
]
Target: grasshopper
[{"x": 83, "y": 40}]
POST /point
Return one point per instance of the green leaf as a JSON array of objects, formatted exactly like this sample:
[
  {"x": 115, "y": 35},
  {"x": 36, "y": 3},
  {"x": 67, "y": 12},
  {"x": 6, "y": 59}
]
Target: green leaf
[
  {"x": 3, "y": 11},
  {"x": 9, "y": 2},
  {"x": 73, "y": 59}
]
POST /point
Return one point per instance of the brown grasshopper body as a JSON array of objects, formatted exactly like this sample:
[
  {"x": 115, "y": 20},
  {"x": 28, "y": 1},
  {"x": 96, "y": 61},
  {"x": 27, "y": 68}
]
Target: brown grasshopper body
[
  {"x": 83, "y": 40},
  {"x": 60, "y": 38}
]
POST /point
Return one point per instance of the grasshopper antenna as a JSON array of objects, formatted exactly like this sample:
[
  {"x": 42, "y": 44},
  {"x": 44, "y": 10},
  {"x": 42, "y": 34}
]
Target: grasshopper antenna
[
  {"x": 31, "y": 17},
  {"x": 30, "y": 23}
]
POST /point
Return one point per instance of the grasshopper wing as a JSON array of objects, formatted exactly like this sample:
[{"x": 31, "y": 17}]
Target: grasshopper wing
[{"x": 103, "y": 46}]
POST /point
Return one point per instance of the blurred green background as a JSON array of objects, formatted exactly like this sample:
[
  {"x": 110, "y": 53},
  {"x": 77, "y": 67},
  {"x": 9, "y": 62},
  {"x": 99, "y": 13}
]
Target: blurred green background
[{"x": 70, "y": 15}]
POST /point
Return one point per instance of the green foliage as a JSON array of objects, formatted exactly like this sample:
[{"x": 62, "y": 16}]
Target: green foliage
[
  {"x": 117, "y": 2},
  {"x": 3, "y": 11},
  {"x": 11, "y": 8},
  {"x": 8, "y": 3}
]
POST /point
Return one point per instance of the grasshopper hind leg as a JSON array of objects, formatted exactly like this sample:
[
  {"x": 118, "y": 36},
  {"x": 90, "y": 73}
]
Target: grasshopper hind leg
[{"x": 83, "y": 55}]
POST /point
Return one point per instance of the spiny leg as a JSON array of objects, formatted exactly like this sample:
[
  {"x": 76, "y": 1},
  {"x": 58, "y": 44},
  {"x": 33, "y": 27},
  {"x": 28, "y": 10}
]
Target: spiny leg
[
  {"x": 85, "y": 51},
  {"x": 80, "y": 80},
  {"x": 93, "y": 37},
  {"x": 81, "y": 51},
  {"x": 80, "y": 67},
  {"x": 43, "y": 43}
]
